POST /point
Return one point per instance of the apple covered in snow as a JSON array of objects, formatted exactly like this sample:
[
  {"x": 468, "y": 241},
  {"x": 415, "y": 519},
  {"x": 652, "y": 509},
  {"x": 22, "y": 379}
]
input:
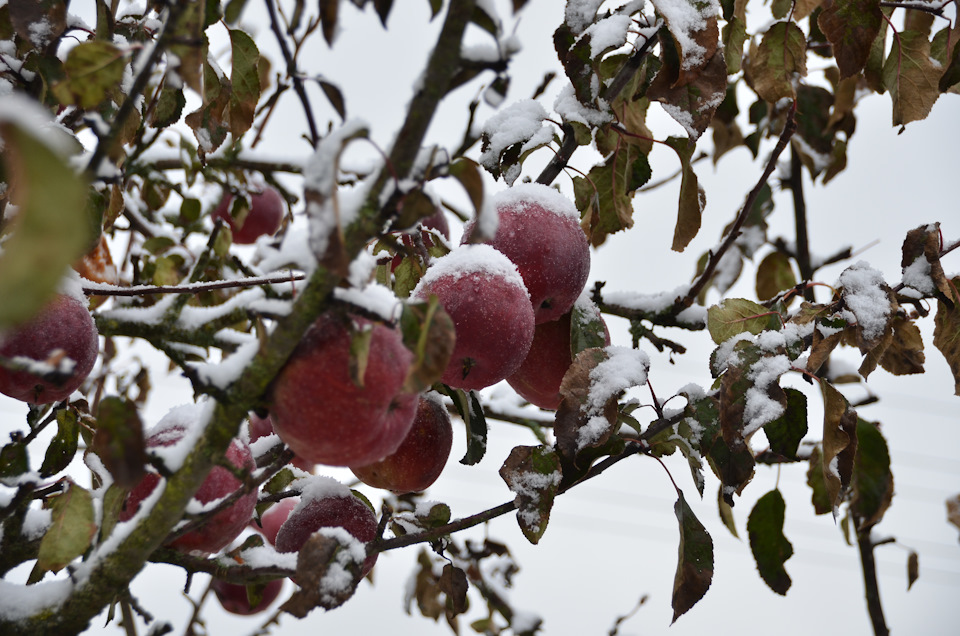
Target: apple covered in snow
[
  {"x": 328, "y": 415},
  {"x": 422, "y": 455},
  {"x": 262, "y": 218},
  {"x": 223, "y": 527},
  {"x": 61, "y": 340},
  {"x": 484, "y": 295},
  {"x": 326, "y": 503},
  {"x": 539, "y": 230}
]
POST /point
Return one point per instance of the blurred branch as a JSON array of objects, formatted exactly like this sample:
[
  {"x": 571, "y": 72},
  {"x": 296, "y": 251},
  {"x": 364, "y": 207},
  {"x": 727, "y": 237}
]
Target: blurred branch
[
  {"x": 191, "y": 288},
  {"x": 292, "y": 72}
]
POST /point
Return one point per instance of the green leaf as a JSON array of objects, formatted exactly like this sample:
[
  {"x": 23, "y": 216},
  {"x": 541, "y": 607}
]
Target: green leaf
[
  {"x": 245, "y": 82},
  {"x": 818, "y": 485},
  {"x": 770, "y": 548},
  {"x": 774, "y": 275},
  {"x": 14, "y": 460},
  {"x": 695, "y": 562},
  {"x": 233, "y": 10},
  {"x": 946, "y": 335},
  {"x": 605, "y": 195},
  {"x": 50, "y": 229},
  {"x": 872, "y": 481},
  {"x": 93, "y": 70},
  {"x": 533, "y": 474},
  {"x": 468, "y": 406},
  {"x": 734, "y": 34},
  {"x": 781, "y": 54},
  {"x": 587, "y": 329},
  {"x": 428, "y": 332},
  {"x": 169, "y": 107},
  {"x": 734, "y": 316},
  {"x": 912, "y": 78},
  {"x": 63, "y": 446},
  {"x": 119, "y": 441},
  {"x": 851, "y": 26},
  {"x": 70, "y": 532},
  {"x": 839, "y": 442},
  {"x": 786, "y": 432},
  {"x": 693, "y": 199}
]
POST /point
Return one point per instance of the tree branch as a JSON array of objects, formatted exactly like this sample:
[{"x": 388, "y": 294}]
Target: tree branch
[
  {"x": 800, "y": 221},
  {"x": 872, "y": 588},
  {"x": 292, "y": 71}
]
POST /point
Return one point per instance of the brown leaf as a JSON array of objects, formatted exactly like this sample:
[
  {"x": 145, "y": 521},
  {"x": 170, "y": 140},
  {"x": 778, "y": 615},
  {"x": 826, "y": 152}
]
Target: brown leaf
[
  {"x": 953, "y": 510},
  {"x": 821, "y": 348},
  {"x": 839, "y": 442},
  {"x": 693, "y": 104},
  {"x": 453, "y": 583},
  {"x": 946, "y": 335},
  {"x": 912, "y": 78},
  {"x": 695, "y": 564},
  {"x": 851, "y": 26},
  {"x": 572, "y": 414},
  {"x": 921, "y": 265},
  {"x": 780, "y": 54},
  {"x": 328, "y": 19},
  {"x": 696, "y": 38},
  {"x": 692, "y": 200},
  {"x": 905, "y": 355},
  {"x": 322, "y": 556},
  {"x": 913, "y": 568}
]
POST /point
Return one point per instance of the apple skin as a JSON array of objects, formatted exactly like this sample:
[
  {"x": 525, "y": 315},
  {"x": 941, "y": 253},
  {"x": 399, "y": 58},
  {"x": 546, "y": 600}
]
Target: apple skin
[
  {"x": 538, "y": 378},
  {"x": 486, "y": 299},
  {"x": 233, "y": 598},
  {"x": 333, "y": 511},
  {"x": 64, "y": 324},
  {"x": 263, "y": 218},
  {"x": 539, "y": 230},
  {"x": 275, "y": 515},
  {"x": 263, "y": 426},
  {"x": 421, "y": 457},
  {"x": 227, "y": 524},
  {"x": 323, "y": 416}
]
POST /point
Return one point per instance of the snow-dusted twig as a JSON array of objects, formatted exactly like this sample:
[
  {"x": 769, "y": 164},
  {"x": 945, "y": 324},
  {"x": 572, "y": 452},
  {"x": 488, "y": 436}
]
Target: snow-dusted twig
[{"x": 190, "y": 288}]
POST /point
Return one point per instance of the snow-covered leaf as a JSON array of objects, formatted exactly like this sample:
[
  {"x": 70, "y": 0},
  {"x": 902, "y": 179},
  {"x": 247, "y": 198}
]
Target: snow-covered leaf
[{"x": 533, "y": 474}]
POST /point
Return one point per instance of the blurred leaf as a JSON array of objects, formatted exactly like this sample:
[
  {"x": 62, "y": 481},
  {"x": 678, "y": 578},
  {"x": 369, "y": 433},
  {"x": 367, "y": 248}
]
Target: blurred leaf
[
  {"x": 50, "y": 229},
  {"x": 70, "y": 532},
  {"x": 453, "y": 583},
  {"x": 912, "y": 77},
  {"x": 41, "y": 23},
  {"x": 872, "y": 482},
  {"x": 734, "y": 35},
  {"x": 233, "y": 10},
  {"x": 695, "y": 563},
  {"x": 359, "y": 354},
  {"x": 913, "y": 568},
  {"x": 93, "y": 70},
  {"x": 533, "y": 474},
  {"x": 734, "y": 316},
  {"x": 770, "y": 548},
  {"x": 435, "y": 7},
  {"x": 782, "y": 53},
  {"x": 169, "y": 107},
  {"x": 467, "y": 172},
  {"x": 851, "y": 26},
  {"x": 382, "y": 8},
  {"x": 14, "y": 460},
  {"x": 119, "y": 441},
  {"x": 328, "y": 19},
  {"x": 189, "y": 57},
  {"x": 786, "y": 432},
  {"x": 839, "y": 442},
  {"x": 818, "y": 485},
  {"x": 946, "y": 335},
  {"x": 245, "y": 82},
  {"x": 335, "y": 97},
  {"x": 774, "y": 275},
  {"x": 692, "y": 197},
  {"x": 63, "y": 446},
  {"x": 428, "y": 332}
]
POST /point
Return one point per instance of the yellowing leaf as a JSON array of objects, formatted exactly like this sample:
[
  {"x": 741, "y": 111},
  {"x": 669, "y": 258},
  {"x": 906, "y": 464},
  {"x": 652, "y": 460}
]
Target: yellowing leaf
[
  {"x": 851, "y": 26},
  {"x": 734, "y": 316},
  {"x": 839, "y": 442},
  {"x": 912, "y": 78},
  {"x": 946, "y": 335},
  {"x": 71, "y": 530},
  {"x": 781, "y": 54},
  {"x": 693, "y": 199},
  {"x": 93, "y": 70}
]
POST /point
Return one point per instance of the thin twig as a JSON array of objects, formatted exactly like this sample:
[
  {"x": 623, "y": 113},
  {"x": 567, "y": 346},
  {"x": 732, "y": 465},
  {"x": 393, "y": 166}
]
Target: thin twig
[
  {"x": 190, "y": 288},
  {"x": 292, "y": 72},
  {"x": 871, "y": 586}
]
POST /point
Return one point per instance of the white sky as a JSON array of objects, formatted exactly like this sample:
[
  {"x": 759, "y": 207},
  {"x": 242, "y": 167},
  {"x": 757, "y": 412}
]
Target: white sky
[{"x": 615, "y": 539}]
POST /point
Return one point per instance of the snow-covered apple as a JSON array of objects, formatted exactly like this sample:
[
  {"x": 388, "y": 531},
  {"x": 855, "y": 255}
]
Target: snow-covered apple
[
  {"x": 539, "y": 230},
  {"x": 326, "y": 503},
  {"x": 324, "y": 413},
  {"x": 485, "y": 296},
  {"x": 263, "y": 217},
  {"x": 422, "y": 455},
  {"x": 226, "y": 525},
  {"x": 62, "y": 338},
  {"x": 236, "y": 600},
  {"x": 538, "y": 378}
]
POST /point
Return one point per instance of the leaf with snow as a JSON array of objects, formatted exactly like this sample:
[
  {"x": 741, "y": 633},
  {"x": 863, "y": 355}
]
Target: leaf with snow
[
  {"x": 328, "y": 571},
  {"x": 693, "y": 435},
  {"x": 734, "y": 316},
  {"x": 839, "y": 443},
  {"x": 695, "y": 562},
  {"x": 946, "y": 334},
  {"x": 871, "y": 302},
  {"x": 693, "y": 26},
  {"x": 692, "y": 104},
  {"x": 851, "y": 26},
  {"x": 510, "y": 135},
  {"x": 912, "y": 77},
  {"x": 533, "y": 474},
  {"x": 872, "y": 482},
  {"x": 781, "y": 54},
  {"x": 922, "y": 270},
  {"x": 770, "y": 548},
  {"x": 574, "y": 54},
  {"x": 693, "y": 199}
]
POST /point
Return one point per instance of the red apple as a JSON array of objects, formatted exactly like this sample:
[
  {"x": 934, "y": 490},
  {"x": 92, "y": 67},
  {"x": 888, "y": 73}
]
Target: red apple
[
  {"x": 323, "y": 414},
  {"x": 485, "y": 296},
  {"x": 539, "y": 230},
  {"x": 273, "y": 518},
  {"x": 538, "y": 378},
  {"x": 261, "y": 427},
  {"x": 62, "y": 337},
  {"x": 227, "y": 524},
  {"x": 422, "y": 455},
  {"x": 235, "y": 600},
  {"x": 262, "y": 219},
  {"x": 330, "y": 505}
]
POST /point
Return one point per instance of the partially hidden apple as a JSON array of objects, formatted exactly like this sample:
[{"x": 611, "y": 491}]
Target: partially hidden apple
[
  {"x": 539, "y": 230},
  {"x": 263, "y": 217},
  {"x": 485, "y": 296},
  {"x": 62, "y": 338},
  {"x": 538, "y": 378},
  {"x": 422, "y": 455},
  {"x": 260, "y": 427},
  {"x": 275, "y": 515},
  {"x": 326, "y": 414},
  {"x": 327, "y": 503},
  {"x": 236, "y": 600},
  {"x": 223, "y": 527}
]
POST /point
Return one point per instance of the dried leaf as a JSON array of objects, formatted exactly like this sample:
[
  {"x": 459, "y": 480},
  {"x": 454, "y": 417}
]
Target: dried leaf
[
  {"x": 946, "y": 335},
  {"x": 920, "y": 263},
  {"x": 905, "y": 354},
  {"x": 324, "y": 564},
  {"x": 839, "y": 443},
  {"x": 692, "y": 104},
  {"x": 695, "y": 562},
  {"x": 693, "y": 199},
  {"x": 851, "y": 26},
  {"x": 770, "y": 548},
  {"x": 912, "y": 78},
  {"x": 693, "y": 27},
  {"x": 453, "y": 583},
  {"x": 533, "y": 474}
]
